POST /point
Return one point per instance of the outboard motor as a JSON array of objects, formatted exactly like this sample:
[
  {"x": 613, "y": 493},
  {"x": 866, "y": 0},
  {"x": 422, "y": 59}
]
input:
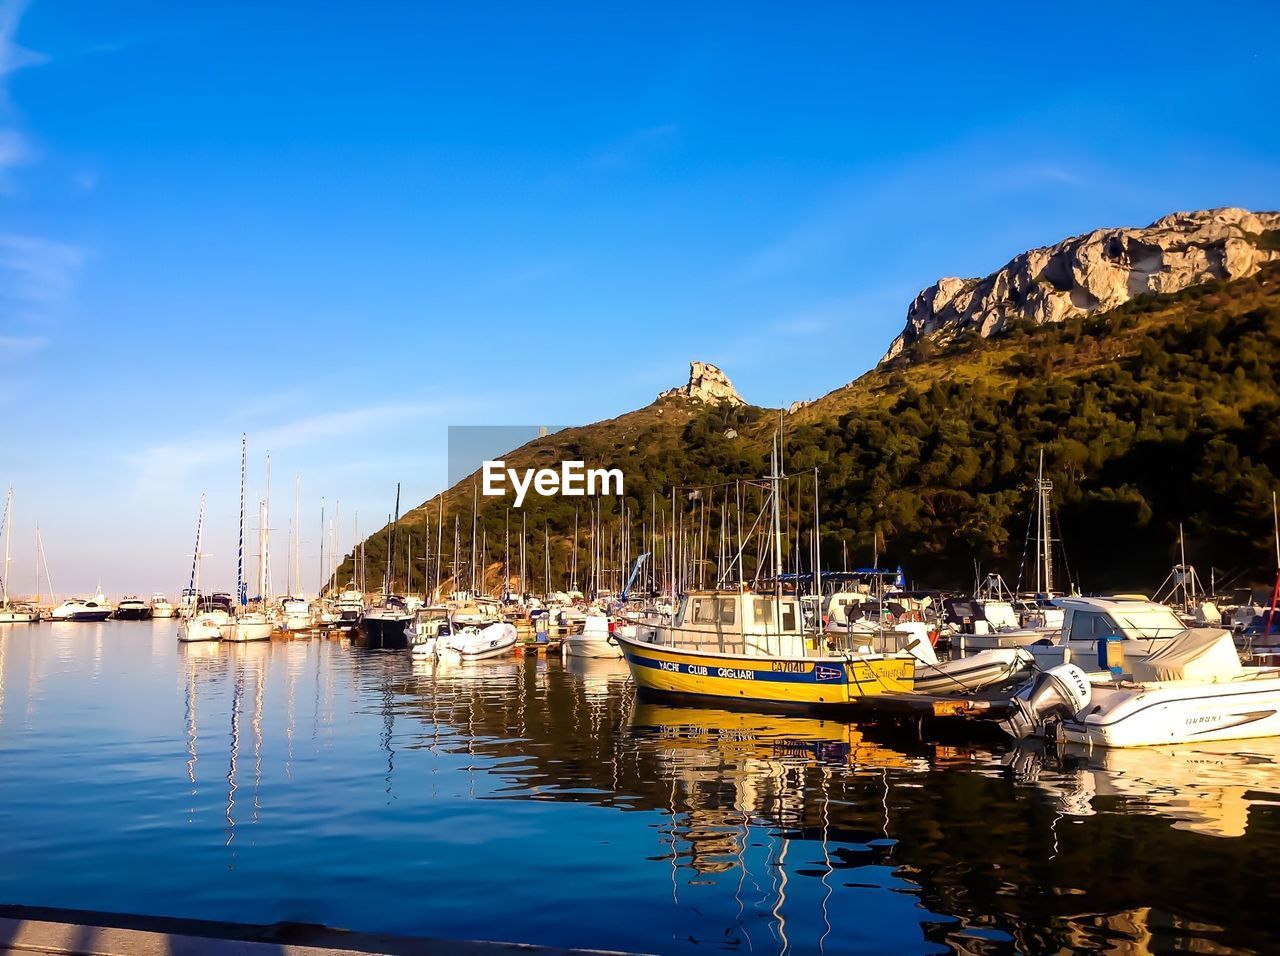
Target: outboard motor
[{"x": 1057, "y": 694}]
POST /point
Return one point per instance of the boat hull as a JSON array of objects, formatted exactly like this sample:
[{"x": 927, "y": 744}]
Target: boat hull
[
  {"x": 1152, "y": 715},
  {"x": 792, "y": 683},
  {"x": 242, "y": 631},
  {"x": 133, "y": 614},
  {"x": 384, "y": 632},
  {"x": 162, "y": 612},
  {"x": 493, "y": 641},
  {"x": 197, "y": 630},
  {"x": 88, "y": 616},
  {"x": 973, "y": 672},
  {"x": 580, "y": 645},
  {"x": 12, "y": 616}
]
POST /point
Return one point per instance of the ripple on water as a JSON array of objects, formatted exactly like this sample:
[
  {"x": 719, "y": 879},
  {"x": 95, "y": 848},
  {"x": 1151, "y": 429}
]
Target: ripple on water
[{"x": 305, "y": 780}]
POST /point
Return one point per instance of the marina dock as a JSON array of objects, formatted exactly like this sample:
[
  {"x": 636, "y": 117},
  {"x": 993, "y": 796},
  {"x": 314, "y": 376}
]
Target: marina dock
[{"x": 29, "y": 929}]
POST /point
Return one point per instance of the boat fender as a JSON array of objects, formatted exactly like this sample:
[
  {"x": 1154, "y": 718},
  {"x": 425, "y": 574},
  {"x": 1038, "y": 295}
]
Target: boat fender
[{"x": 1111, "y": 655}]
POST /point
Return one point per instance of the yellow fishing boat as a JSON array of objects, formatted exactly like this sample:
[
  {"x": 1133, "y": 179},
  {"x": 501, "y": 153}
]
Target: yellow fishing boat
[{"x": 743, "y": 646}]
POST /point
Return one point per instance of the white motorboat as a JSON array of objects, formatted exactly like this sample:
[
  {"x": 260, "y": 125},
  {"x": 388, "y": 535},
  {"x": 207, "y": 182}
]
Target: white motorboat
[
  {"x": 160, "y": 606},
  {"x": 471, "y": 643},
  {"x": 466, "y": 609},
  {"x": 594, "y": 640},
  {"x": 1143, "y": 627},
  {"x": 82, "y": 609},
  {"x": 422, "y": 632},
  {"x": 1192, "y": 688},
  {"x": 350, "y": 605}
]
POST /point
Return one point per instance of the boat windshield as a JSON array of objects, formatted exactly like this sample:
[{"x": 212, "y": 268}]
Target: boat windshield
[{"x": 1150, "y": 622}]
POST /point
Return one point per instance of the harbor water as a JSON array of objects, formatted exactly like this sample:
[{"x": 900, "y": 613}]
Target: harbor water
[{"x": 536, "y": 800}]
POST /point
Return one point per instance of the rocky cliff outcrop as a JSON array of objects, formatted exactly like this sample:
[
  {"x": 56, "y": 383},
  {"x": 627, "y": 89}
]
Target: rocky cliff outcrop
[
  {"x": 1094, "y": 272},
  {"x": 706, "y": 384}
]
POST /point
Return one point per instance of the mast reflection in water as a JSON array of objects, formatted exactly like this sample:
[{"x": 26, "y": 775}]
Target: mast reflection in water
[{"x": 533, "y": 800}]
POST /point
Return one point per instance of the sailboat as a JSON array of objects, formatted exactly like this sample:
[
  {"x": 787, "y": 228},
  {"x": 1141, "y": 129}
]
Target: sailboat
[
  {"x": 386, "y": 624},
  {"x": 736, "y": 644},
  {"x": 201, "y": 619},
  {"x": 12, "y": 613},
  {"x": 247, "y": 625}
]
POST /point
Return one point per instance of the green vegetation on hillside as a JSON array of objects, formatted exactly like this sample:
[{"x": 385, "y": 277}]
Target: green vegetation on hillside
[{"x": 1161, "y": 412}]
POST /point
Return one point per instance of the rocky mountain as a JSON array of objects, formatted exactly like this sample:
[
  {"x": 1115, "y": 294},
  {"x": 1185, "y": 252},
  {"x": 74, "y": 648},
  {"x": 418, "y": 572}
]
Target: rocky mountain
[
  {"x": 706, "y": 384},
  {"x": 1159, "y": 413},
  {"x": 1095, "y": 272}
]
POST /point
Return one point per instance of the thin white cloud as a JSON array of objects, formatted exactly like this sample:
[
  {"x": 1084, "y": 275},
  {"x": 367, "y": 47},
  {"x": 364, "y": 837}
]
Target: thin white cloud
[
  {"x": 19, "y": 346},
  {"x": 36, "y": 270},
  {"x": 15, "y": 149},
  {"x": 161, "y": 467}
]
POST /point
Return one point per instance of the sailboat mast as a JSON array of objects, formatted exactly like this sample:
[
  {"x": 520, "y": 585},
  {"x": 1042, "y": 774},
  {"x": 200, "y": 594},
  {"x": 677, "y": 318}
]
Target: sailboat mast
[
  {"x": 297, "y": 535},
  {"x": 475, "y": 506},
  {"x": 817, "y": 549},
  {"x": 195, "y": 555},
  {"x": 391, "y": 546},
  {"x": 777, "y": 535},
  {"x": 320, "y": 583},
  {"x": 1275, "y": 516},
  {"x": 242, "y": 595},
  {"x": 262, "y": 553},
  {"x": 266, "y": 539},
  {"x": 439, "y": 545},
  {"x": 8, "y": 532}
]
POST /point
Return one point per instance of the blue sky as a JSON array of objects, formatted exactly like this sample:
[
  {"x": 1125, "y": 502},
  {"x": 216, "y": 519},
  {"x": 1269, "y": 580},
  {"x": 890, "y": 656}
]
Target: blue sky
[{"x": 342, "y": 228}]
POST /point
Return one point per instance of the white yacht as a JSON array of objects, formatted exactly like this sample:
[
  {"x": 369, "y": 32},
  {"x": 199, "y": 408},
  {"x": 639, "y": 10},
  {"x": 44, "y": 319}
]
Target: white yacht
[
  {"x": 1131, "y": 626},
  {"x": 160, "y": 606},
  {"x": 82, "y": 609},
  {"x": 350, "y": 605},
  {"x": 1191, "y": 687},
  {"x": 594, "y": 640}
]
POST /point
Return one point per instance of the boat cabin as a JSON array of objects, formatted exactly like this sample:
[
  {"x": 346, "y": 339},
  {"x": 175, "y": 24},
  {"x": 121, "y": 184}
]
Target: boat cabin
[
  {"x": 733, "y": 622},
  {"x": 1088, "y": 620}
]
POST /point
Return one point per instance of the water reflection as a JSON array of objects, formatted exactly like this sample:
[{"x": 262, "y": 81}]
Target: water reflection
[
  {"x": 1204, "y": 788},
  {"x": 210, "y": 776}
]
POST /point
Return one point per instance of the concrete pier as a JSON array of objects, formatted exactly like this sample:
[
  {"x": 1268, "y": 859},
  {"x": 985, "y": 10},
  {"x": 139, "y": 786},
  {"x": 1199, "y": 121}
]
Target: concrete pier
[{"x": 30, "y": 929}]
